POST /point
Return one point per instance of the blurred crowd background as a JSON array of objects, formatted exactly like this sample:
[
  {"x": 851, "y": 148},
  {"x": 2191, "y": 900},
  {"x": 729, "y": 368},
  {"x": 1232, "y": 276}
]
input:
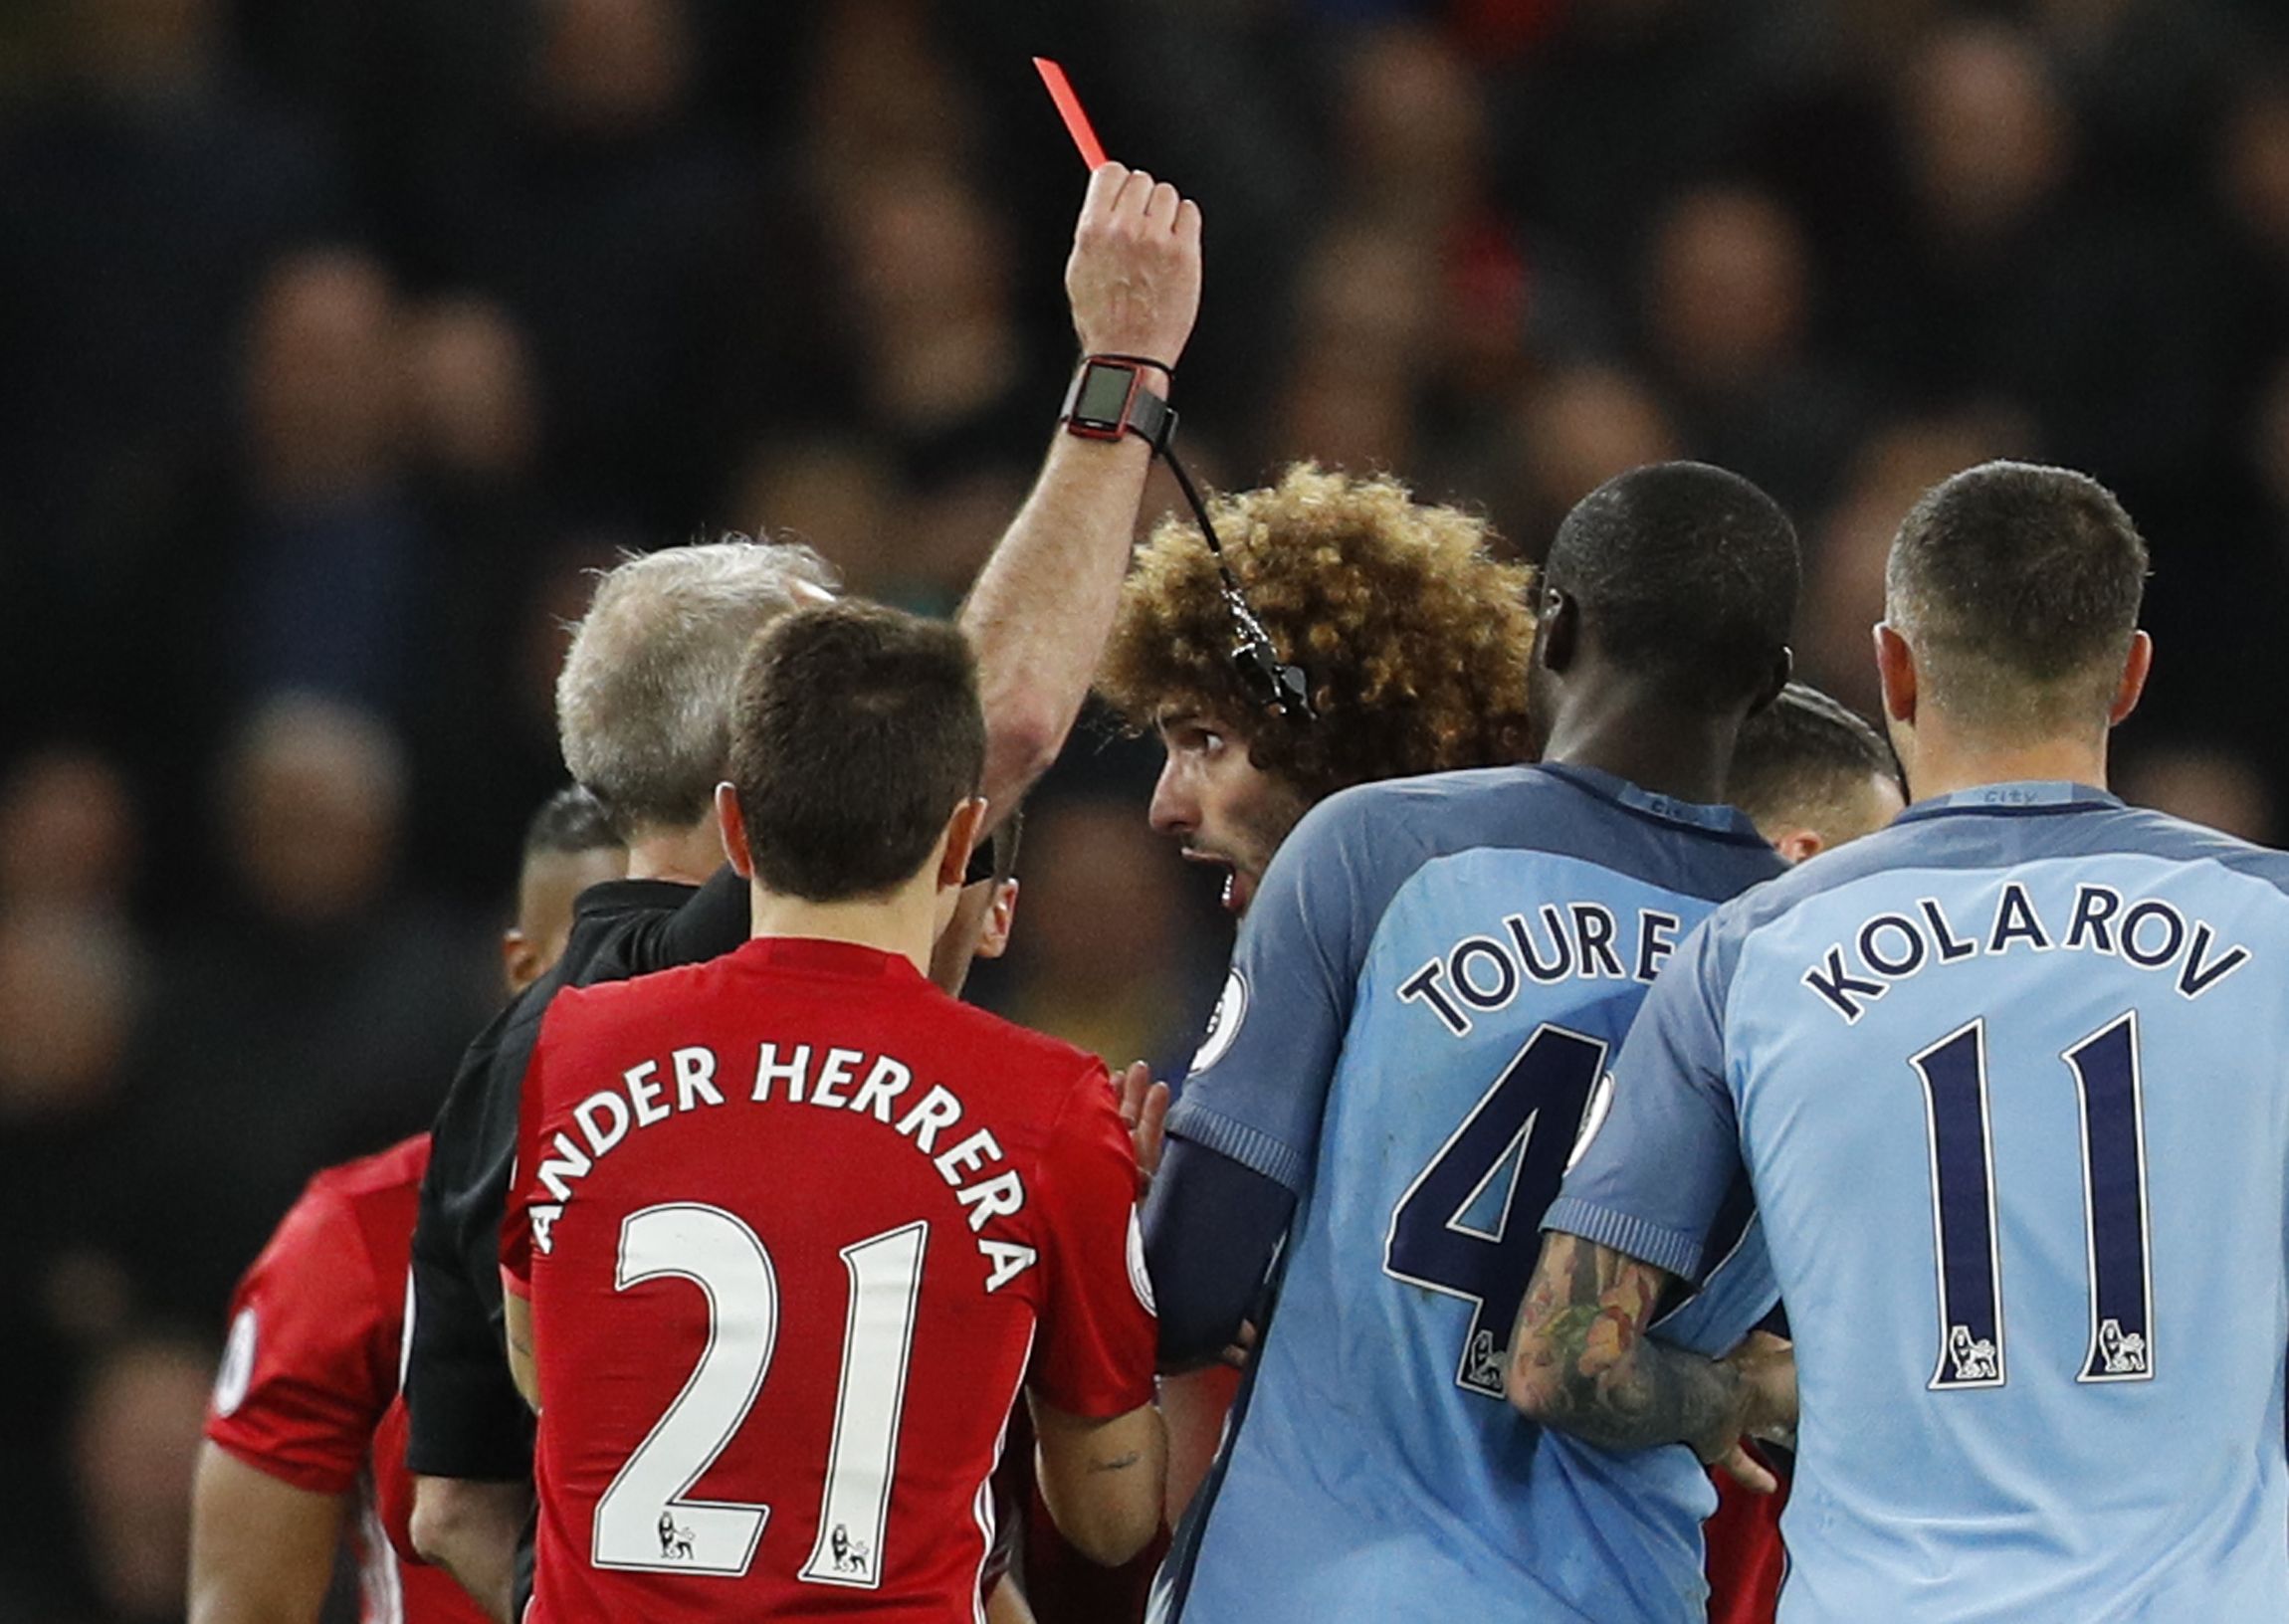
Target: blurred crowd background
[{"x": 340, "y": 340}]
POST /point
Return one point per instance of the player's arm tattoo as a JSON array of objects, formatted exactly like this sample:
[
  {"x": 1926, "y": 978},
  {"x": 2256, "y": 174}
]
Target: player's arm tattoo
[{"x": 1580, "y": 1359}]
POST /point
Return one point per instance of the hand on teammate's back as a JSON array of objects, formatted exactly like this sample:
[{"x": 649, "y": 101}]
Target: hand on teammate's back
[
  {"x": 1143, "y": 1112},
  {"x": 1134, "y": 276},
  {"x": 1767, "y": 1367}
]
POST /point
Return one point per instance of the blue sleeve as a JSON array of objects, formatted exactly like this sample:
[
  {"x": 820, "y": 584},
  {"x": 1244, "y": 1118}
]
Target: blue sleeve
[
  {"x": 1738, "y": 1295},
  {"x": 1665, "y": 1151},
  {"x": 1211, "y": 1230},
  {"x": 1259, "y": 1083}
]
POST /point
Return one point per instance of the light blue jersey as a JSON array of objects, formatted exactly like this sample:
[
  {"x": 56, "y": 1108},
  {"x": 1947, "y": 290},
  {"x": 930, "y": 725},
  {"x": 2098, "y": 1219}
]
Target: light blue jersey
[
  {"x": 2011, "y": 1083},
  {"x": 1425, "y": 993}
]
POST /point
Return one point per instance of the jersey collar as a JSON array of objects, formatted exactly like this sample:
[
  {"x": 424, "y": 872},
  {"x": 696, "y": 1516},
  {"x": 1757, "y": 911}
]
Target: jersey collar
[
  {"x": 817, "y": 957},
  {"x": 2026, "y": 795},
  {"x": 1720, "y": 820}
]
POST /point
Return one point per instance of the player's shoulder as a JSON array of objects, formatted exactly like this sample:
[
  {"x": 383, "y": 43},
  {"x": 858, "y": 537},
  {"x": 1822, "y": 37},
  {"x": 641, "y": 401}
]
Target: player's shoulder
[
  {"x": 1393, "y": 826},
  {"x": 1036, "y": 1058},
  {"x": 361, "y": 1207},
  {"x": 385, "y": 1173},
  {"x": 1414, "y": 803},
  {"x": 602, "y": 1005},
  {"x": 1988, "y": 839},
  {"x": 2179, "y": 840}
]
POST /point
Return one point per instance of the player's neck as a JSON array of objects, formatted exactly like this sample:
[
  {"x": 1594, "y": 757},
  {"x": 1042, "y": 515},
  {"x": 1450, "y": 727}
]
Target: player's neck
[
  {"x": 1639, "y": 736},
  {"x": 686, "y": 856},
  {"x": 902, "y": 925},
  {"x": 1941, "y": 765}
]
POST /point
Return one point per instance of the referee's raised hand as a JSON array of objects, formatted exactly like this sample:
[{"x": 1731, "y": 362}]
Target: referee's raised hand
[{"x": 1134, "y": 276}]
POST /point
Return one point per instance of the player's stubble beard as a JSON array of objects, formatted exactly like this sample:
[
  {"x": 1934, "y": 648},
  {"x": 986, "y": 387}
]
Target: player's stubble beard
[{"x": 1256, "y": 828}]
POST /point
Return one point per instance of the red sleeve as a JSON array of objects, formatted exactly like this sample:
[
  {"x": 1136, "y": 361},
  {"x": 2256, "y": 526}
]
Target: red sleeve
[
  {"x": 525, "y": 1192},
  {"x": 311, "y": 1363},
  {"x": 1098, "y": 1336}
]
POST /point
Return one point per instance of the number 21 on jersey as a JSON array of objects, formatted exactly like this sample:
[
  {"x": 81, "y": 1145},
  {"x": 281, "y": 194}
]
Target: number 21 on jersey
[{"x": 643, "y": 1521}]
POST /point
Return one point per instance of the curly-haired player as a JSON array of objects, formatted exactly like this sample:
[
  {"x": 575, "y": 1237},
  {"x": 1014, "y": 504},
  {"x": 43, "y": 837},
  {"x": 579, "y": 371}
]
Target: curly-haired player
[{"x": 1413, "y": 634}]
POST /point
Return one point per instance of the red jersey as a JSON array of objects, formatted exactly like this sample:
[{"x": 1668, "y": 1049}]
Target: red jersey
[
  {"x": 307, "y": 1390},
  {"x": 1746, "y": 1560},
  {"x": 794, "y": 1226}
]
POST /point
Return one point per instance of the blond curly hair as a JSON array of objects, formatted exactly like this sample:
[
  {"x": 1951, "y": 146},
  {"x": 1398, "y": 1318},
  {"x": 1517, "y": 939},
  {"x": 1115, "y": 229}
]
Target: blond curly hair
[{"x": 1416, "y": 636}]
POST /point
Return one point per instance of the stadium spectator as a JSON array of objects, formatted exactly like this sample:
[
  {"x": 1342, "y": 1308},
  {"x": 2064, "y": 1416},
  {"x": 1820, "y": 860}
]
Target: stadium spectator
[
  {"x": 1574, "y": 430},
  {"x": 68, "y": 835},
  {"x": 1727, "y": 308},
  {"x": 332, "y": 550},
  {"x": 134, "y": 1442},
  {"x": 312, "y": 1016}
]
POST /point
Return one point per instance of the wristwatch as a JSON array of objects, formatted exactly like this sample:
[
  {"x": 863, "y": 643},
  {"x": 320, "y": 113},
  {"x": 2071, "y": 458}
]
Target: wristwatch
[{"x": 1109, "y": 399}]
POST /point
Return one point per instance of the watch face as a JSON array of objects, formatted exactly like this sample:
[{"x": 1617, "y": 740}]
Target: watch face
[{"x": 1104, "y": 393}]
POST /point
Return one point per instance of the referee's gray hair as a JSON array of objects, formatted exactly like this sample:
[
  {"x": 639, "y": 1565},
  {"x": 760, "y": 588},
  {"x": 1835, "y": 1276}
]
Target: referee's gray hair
[{"x": 644, "y": 701}]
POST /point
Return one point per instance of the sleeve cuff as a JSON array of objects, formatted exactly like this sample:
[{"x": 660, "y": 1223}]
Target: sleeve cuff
[
  {"x": 1670, "y": 1250},
  {"x": 1251, "y": 1147},
  {"x": 310, "y": 1477}
]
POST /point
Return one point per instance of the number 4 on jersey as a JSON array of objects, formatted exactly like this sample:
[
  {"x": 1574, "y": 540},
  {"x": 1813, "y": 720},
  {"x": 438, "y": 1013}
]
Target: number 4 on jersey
[{"x": 1524, "y": 1126}]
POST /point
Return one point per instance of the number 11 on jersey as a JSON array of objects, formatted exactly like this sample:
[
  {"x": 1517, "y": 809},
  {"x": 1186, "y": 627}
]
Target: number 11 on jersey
[{"x": 2112, "y": 1097}]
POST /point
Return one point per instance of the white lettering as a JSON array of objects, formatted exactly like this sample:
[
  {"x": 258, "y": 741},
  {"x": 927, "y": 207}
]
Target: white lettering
[
  {"x": 884, "y": 1083},
  {"x": 938, "y": 1110},
  {"x": 602, "y": 1140},
  {"x": 997, "y": 1197},
  {"x": 556, "y": 1171},
  {"x": 970, "y": 1155},
  {"x": 644, "y": 1094},
  {"x": 1009, "y": 1260},
  {"x": 770, "y": 1069},
  {"x": 837, "y": 1070},
  {"x": 695, "y": 1077}
]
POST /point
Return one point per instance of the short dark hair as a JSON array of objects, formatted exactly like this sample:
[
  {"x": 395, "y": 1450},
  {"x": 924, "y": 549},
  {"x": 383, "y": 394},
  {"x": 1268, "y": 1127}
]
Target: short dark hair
[
  {"x": 856, "y": 730},
  {"x": 1804, "y": 753},
  {"x": 568, "y": 823},
  {"x": 2019, "y": 585},
  {"x": 1687, "y": 573}
]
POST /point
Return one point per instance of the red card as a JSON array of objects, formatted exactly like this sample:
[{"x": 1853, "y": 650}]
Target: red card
[{"x": 1069, "y": 109}]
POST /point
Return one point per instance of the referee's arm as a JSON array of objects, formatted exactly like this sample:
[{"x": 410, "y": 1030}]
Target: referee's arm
[{"x": 1041, "y": 607}]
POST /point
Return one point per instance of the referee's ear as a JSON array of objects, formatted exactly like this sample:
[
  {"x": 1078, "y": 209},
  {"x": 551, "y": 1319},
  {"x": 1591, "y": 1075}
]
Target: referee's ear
[{"x": 733, "y": 827}]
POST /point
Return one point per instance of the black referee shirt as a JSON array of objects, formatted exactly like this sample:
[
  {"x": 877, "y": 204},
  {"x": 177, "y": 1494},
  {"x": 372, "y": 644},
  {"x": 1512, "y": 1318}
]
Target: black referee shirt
[{"x": 467, "y": 1419}]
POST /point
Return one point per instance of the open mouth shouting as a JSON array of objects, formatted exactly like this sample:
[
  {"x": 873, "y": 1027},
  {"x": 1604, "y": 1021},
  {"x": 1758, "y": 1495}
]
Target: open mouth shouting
[{"x": 1239, "y": 884}]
